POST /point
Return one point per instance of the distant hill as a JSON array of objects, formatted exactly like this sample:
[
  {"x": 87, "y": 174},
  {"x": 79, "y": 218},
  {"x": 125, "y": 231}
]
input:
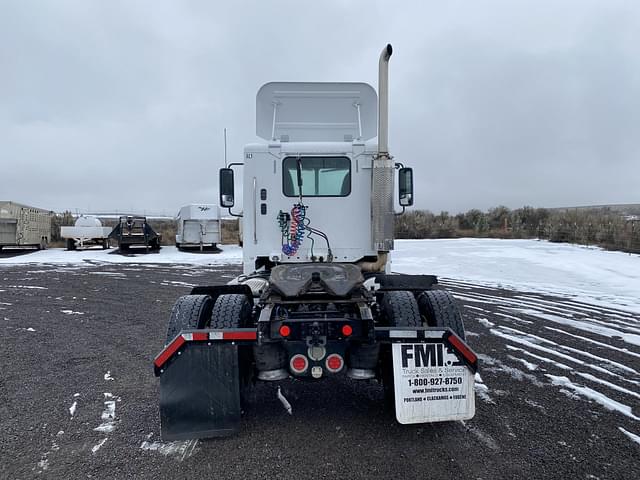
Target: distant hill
[{"x": 622, "y": 208}]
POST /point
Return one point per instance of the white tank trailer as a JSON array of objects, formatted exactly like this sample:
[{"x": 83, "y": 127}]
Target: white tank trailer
[
  {"x": 87, "y": 231},
  {"x": 317, "y": 297},
  {"x": 24, "y": 226},
  {"x": 198, "y": 225}
]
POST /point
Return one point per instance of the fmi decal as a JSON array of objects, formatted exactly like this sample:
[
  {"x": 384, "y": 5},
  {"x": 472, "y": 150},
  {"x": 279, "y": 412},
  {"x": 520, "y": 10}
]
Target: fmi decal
[
  {"x": 427, "y": 355},
  {"x": 204, "y": 209}
]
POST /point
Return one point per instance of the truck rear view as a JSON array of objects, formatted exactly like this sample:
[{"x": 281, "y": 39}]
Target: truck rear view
[{"x": 317, "y": 297}]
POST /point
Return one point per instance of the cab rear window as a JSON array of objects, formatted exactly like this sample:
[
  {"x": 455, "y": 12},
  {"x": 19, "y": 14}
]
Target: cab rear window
[{"x": 321, "y": 176}]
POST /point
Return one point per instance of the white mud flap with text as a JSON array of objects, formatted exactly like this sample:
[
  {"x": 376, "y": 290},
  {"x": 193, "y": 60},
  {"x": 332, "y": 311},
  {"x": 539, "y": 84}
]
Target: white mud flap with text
[{"x": 431, "y": 384}]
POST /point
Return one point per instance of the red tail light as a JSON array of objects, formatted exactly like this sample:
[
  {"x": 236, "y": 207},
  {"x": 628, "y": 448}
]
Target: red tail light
[
  {"x": 285, "y": 331},
  {"x": 347, "y": 330},
  {"x": 334, "y": 363},
  {"x": 298, "y": 363}
]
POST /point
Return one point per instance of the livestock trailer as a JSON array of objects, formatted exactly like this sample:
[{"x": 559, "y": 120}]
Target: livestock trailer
[
  {"x": 24, "y": 226},
  {"x": 198, "y": 226}
]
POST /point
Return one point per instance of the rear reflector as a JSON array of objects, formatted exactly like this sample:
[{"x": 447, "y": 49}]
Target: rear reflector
[
  {"x": 298, "y": 363},
  {"x": 168, "y": 352},
  {"x": 460, "y": 346},
  {"x": 239, "y": 335},
  {"x": 347, "y": 330},
  {"x": 334, "y": 363},
  {"x": 403, "y": 334}
]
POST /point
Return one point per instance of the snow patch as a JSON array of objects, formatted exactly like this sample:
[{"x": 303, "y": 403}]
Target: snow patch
[
  {"x": 285, "y": 402},
  {"x": 107, "y": 376},
  {"x": 530, "y": 366},
  {"x": 481, "y": 389},
  {"x": 43, "y": 464},
  {"x": 632, "y": 436},
  {"x": 99, "y": 445},
  {"x": 586, "y": 326},
  {"x": 108, "y": 415},
  {"x": 72, "y": 408},
  {"x": 594, "y": 395},
  {"x": 181, "y": 450},
  {"x": 28, "y": 287},
  {"x": 485, "y": 322},
  {"x": 71, "y": 312}
]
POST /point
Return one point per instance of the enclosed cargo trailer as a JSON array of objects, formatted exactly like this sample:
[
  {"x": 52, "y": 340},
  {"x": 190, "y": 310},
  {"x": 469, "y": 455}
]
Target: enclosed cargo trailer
[
  {"x": 198, "y": 226},
  {"x": 24, "y": 226}
]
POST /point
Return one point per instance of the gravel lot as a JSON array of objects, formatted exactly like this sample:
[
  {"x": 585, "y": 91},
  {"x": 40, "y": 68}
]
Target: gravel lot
[{"x": 79, "y": 340}]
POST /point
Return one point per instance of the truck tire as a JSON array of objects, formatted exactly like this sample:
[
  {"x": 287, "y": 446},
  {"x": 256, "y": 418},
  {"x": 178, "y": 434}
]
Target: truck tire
[
  {"x": 71, "y": 244},
  {"x": 189, "y": 311},
  {"x": 439, "y": 308},
  {"x": 231, "y": 311},
  {"x": 400, "y": 309},
  {"x": 105, "y": 244}
]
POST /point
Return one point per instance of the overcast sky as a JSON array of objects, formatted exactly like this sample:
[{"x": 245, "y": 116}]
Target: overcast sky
[{"x": 109, "y": 105}]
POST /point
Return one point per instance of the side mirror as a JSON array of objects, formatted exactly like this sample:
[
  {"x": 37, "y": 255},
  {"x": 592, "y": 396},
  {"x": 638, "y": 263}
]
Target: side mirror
[
  {"x": 226, "y": 188},
  {"x": 405, "y": 187}
]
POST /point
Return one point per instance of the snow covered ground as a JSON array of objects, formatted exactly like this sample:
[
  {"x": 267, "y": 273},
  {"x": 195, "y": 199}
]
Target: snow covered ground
[
  {"x": 558, "y": 338},
  {"x": 230, "y": 254},
  {"x": 586, "y": 274}
]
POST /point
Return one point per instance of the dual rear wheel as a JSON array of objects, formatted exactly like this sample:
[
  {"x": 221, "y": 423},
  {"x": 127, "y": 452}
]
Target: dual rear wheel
[
  {"x": 433, "y": 308},
  {"x": 192, "y": 312}
]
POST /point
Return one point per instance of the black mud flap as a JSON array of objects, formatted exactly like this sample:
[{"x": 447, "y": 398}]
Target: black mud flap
[{"x": 200, "y": 393}]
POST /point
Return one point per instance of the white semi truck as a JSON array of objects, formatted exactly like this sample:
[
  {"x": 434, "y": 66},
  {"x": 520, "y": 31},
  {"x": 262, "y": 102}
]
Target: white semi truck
[
  {"x": 24, "y": 226},
  {"x": 317, "y": 297}
]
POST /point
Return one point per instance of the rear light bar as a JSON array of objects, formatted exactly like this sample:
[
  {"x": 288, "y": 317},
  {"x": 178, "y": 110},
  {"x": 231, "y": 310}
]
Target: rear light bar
[
  {"x": 382, "y": 334},
  {"x": 212, "y": 335}
]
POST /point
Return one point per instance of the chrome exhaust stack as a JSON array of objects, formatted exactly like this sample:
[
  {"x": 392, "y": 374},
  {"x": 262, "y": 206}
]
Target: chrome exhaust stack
[{"x": 382, "y": 216}]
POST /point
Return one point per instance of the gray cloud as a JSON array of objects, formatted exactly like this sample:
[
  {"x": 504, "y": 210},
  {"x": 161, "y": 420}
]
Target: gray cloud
[{"x": 121, "y": 105}]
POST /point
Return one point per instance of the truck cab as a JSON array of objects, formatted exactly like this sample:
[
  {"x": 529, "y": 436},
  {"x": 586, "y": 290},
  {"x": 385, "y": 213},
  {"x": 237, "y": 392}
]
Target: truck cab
[{"x": 307, "y": 189}]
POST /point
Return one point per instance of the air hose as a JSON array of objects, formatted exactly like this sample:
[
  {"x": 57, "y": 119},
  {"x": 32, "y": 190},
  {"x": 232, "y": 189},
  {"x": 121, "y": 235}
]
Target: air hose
[{"x": 293, "y": 230}]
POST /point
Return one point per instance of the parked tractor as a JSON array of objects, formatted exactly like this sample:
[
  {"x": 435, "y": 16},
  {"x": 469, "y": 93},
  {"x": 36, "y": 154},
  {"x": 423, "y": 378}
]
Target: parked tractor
[{"x": 317, "y": 296}]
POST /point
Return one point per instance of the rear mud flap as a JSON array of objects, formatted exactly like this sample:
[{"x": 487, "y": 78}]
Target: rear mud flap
[{"x": 200, "y": 393}]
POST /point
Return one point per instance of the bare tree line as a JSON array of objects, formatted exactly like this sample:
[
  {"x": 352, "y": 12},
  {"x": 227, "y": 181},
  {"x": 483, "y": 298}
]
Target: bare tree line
[
  {"x": 604, "y": 227},
  {"x": 600, "y": 226}
]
